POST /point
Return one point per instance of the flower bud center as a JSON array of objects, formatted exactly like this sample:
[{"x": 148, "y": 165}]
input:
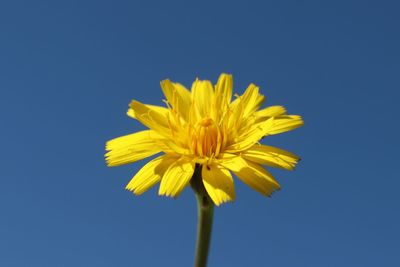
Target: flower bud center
[{"x": 206, "y": 138}]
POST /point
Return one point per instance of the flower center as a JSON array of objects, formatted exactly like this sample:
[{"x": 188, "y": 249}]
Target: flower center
[{"x": 205, "y": 138}]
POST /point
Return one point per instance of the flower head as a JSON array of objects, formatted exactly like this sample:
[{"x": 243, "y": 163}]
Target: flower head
[{"x": 204, "y": 127}]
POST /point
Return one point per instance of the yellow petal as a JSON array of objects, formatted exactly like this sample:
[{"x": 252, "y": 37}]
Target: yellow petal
[
  {"x": 251, "y": 100},
  {"x": 271, "y": 111},
  {"x": 236, "y": 117},
  {"x": 250, "y": 173},
  {"x": 130, "y": 148},
  {"x": 223, "y": 92},
  {"x": 242, "y": 110},
  {"x": 151, "y": 117},
  {"x": 162, "y": 110},
  {"x": 271, "y": 156},
  {"x": 218, "y": 183},
  {"x": 150, "y": 174},
  {"x": 176, "y": 177},
  {"x": 280, "y": 124},
  {"x": 202, "y": 94},
  {"x": 271, "y": 126},
  {"x": 177, "y": 96}
]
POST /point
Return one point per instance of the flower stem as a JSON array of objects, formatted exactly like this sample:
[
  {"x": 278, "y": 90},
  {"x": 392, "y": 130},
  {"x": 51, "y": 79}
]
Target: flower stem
[{"x": 205, "y": 210}]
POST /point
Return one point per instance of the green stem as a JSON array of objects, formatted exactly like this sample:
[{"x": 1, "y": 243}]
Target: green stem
[{"x": 205, "y": 210}]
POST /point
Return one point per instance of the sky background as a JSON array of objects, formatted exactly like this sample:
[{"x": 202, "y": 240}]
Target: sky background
[{"x": 68, "y": 70}]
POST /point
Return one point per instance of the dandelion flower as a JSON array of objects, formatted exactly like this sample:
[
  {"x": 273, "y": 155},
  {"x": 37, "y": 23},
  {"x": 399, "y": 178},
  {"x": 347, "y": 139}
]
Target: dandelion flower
[{"x": 203, "y": 128}]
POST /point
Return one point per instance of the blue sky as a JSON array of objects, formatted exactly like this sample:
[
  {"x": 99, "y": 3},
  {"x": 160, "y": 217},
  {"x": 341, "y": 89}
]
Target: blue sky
[{"x": 68, "y": 70}]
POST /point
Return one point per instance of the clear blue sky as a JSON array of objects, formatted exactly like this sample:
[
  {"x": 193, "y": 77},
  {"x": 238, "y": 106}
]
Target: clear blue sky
[{"x": 68, "y": 70}]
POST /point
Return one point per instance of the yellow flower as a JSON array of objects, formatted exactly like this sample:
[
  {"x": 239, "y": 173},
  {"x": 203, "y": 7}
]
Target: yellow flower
[{"x": 203, "y": 127}]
